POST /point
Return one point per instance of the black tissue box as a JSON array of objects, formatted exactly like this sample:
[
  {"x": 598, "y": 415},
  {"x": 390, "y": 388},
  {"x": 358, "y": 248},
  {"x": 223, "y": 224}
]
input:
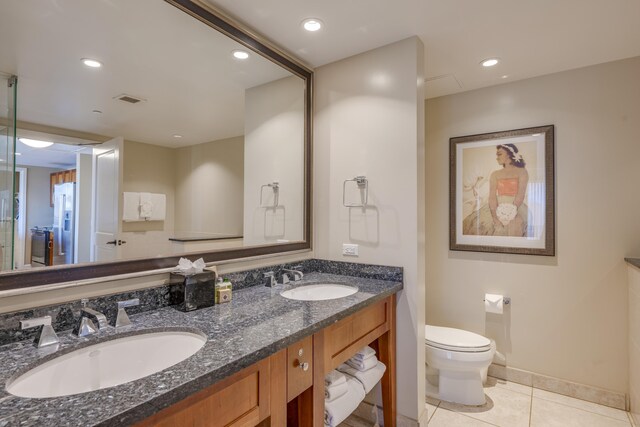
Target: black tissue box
[{"x": 193, "y": 291}]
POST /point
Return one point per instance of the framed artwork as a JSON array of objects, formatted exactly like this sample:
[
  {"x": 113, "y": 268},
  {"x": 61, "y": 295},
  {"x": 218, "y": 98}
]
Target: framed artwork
[{"x": 501, "y": 196}]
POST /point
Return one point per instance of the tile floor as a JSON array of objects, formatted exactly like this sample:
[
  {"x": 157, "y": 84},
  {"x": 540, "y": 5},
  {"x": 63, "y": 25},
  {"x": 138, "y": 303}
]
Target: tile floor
[{"x": 514, "y": 405}]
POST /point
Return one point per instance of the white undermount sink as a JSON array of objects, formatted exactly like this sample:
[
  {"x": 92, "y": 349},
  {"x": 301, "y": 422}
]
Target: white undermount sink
[
  {"x": 107, "y": 364},
  {"x": 319, "y": 292}
]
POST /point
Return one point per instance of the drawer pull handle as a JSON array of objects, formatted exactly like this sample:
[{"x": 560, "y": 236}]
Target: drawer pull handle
[{"x": 304, "y": 365}]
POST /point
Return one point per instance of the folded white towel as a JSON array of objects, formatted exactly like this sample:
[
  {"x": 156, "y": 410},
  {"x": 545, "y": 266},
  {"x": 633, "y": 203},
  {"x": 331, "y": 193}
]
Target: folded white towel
[
  {"x": 130, "y": 207},
  {"x": 334, "y": 391},
  {"x": 368, "y": 378},
  {"x": 146, "y": 205},
  {"x": 334, "y": 378},
  {"x": 363, "y": 365},
  {"x": 365, "y": 352},
  {"x": 336, "y": 411}
]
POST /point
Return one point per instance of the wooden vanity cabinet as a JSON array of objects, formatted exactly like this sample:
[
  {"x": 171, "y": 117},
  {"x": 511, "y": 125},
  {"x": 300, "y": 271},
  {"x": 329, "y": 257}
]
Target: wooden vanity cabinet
[
  {"x": 241, "y": 400},
  {"x": 278, "y": 391}
]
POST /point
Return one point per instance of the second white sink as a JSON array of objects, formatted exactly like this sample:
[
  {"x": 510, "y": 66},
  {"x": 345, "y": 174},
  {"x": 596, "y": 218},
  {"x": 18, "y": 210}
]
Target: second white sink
[
  {"x": 107, "y": 364},
  {"x": 319, "y": 292}
]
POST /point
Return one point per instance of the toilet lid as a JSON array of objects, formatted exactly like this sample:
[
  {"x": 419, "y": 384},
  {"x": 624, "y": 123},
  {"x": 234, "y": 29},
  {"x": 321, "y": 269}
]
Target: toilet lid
[{"x": 455, "y": 339}]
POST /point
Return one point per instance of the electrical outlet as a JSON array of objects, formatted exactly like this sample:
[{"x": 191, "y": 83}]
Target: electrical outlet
[{"x": 349, "y": 250}]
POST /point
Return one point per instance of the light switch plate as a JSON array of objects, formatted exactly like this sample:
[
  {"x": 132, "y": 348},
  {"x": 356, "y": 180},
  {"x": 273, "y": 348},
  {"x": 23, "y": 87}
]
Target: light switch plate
[{"x": 349, "y": 250}]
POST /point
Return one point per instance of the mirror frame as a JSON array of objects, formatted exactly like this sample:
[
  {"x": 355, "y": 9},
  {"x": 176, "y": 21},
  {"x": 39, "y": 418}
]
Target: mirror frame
[{"x": 218, "y": 21}]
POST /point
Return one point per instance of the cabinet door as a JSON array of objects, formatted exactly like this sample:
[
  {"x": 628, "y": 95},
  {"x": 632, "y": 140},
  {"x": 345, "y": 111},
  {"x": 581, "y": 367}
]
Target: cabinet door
[
  {"x": 299, "y": 367},
  {"x": 241, "y": 400}
]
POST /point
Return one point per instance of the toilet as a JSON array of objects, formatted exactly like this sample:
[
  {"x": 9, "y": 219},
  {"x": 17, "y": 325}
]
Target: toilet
[{"x": 457, "y": 364}]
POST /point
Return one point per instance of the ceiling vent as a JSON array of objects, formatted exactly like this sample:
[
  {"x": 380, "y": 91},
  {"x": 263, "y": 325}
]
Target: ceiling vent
[{"x": 129, "y": 98}]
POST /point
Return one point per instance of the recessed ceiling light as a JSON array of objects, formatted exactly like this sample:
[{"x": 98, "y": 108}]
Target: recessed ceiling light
[
  {"x": 490, "y": 62},
  {"x": 91, "y": 63},
  {"x": 35, "y": 143},
  {"x": 506, "y": 76},
  {"x": 240, "y": 54},
  {"x": 177, "y": 136},
  {"x": 312, "y": 24}
]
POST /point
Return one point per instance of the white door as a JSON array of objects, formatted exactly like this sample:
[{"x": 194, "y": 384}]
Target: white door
[{"x": 107, "y": 180}]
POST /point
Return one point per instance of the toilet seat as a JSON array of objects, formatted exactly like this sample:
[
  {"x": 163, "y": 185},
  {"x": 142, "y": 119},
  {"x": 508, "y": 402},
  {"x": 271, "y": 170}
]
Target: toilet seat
[{"x": 455, "y": 340}]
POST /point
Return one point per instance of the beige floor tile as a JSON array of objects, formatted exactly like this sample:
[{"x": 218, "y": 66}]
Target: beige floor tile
[
  {"x": 581, "y": 404},
  {"x": 503, "y": 408},
  {"x": 444, "y": 418},
  {"x": 355, "y": 421},
  {"x": 545, "y": 413},
  {"x": 431, "y": 409},
  {"x": 509, "y": 385}
]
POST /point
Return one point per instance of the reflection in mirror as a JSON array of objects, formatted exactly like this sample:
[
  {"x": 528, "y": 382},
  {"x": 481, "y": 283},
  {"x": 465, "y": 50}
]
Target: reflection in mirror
[{"x": 167, "y": 145}]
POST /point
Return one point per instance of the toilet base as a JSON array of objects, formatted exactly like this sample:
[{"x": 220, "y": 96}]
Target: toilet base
[{"x": 464, "y": 387}]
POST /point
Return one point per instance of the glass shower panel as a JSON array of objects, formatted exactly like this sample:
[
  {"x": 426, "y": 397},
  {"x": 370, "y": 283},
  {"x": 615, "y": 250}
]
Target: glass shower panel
[{"x": 8, "y": 89}]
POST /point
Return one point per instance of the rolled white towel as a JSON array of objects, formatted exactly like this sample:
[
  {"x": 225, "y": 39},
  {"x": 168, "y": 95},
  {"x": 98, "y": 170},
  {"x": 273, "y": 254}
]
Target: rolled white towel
[
  {"x": 364, "y": 353},
  {"x": 368, "y": 378},
  {"x": 339, "y": 409},
  {"x": 363, "y": 365},
  {"x": 332, "y": 392},
  {"x": 334, "y": 378}
]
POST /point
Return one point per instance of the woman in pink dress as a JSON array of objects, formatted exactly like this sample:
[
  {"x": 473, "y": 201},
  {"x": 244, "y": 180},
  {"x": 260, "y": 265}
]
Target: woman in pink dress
[{"x": 506, "y": 213}]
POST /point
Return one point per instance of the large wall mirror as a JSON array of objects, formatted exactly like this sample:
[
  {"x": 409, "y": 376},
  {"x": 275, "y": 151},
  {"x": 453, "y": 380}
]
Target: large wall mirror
[{"x": 187, "y": 135}]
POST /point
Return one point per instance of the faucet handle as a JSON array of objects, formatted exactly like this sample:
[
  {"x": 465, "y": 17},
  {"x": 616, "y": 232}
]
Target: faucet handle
[
  {"x": 47, "y": 335},
  {"x": 122, "y": 319},
  {"x": 295, "y": 272},
  {"x": 269, "y": 279}
]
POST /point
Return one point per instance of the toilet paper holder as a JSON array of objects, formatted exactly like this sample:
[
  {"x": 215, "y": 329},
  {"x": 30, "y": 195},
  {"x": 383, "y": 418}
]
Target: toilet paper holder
[{"x": 505, "y": 300}]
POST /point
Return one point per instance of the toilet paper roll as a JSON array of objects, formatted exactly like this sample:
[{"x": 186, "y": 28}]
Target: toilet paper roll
[{"x": 493, "y": 303}]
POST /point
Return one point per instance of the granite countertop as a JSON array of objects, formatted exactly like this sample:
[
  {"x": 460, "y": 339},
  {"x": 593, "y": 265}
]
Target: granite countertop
[{"x": 257, "y": 323}]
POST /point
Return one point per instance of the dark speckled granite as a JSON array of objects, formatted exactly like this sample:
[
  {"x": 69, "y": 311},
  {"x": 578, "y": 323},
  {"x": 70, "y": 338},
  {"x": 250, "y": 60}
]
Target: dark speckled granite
[
  {"x": 64, "y": 316},
  {"x": 257, "y": 323},
  {"x": 255, "y": 277},
  {"x": 633, "y": 261}
]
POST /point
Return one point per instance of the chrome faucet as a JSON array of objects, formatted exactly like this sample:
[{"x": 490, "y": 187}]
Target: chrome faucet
[
  {"x": 122, "y": 319},
  {"x": 270, "y": 279},
  {"x": 88, "y": 316},
  {"x": 295, "y": 272},
  {"x": 47, "y": 335}
]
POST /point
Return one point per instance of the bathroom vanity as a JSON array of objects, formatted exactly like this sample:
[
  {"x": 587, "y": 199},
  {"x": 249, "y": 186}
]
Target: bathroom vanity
[{"x": 263, "y": 363}]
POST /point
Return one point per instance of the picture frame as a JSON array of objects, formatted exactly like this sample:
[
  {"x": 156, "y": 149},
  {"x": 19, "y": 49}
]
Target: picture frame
[{"x": 501, "y": 192}]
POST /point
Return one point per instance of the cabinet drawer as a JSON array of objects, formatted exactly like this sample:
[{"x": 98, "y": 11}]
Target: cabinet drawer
[
  {"x": 347, "y": 336},
  {"x": 241, "y": 400},
  {"x": 298, "y": 378}
]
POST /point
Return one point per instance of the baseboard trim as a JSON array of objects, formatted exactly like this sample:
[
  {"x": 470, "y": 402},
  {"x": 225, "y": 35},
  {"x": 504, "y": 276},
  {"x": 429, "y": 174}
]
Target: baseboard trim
[{"x": 557, "y": 385}]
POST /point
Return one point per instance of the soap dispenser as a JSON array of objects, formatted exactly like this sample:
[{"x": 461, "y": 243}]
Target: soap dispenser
[{"x": 223, "y": 290}]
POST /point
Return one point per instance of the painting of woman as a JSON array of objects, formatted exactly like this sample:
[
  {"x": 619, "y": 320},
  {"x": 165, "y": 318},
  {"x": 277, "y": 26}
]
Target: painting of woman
[{"x": 505, "y": 213}]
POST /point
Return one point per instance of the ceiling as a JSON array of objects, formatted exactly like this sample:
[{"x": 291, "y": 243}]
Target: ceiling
[
  {"x": 182, "y": 69},
  {"x": 532, "y": 37}
]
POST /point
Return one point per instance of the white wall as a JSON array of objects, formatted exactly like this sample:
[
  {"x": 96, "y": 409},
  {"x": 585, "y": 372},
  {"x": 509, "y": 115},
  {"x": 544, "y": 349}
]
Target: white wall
[
  {"x": 209, "y": 186},
  {"x": 369, "y": 120},
  {"x": 274, "y": 151},
  {"x": 568, "y": 317},
  {"x": 150, "y": 169},
  {"x": 634, "y": 341}
]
